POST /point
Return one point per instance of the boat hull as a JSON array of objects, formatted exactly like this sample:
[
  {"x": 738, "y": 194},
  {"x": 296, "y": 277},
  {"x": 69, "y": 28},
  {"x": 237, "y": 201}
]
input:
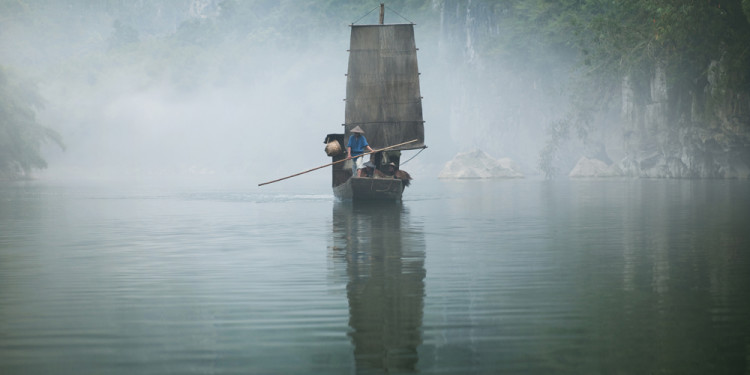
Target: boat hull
[{"x": 369, "y": 189}]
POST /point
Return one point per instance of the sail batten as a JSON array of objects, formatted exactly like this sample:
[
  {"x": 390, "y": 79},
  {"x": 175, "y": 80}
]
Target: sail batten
[{"x": 382, "y": 91}]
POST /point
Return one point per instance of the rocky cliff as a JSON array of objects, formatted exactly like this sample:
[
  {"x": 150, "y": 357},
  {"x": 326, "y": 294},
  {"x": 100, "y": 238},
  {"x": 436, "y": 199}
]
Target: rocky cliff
[
  {"x": 701, "y": 132},
  {"x": 664, "y": 127}
]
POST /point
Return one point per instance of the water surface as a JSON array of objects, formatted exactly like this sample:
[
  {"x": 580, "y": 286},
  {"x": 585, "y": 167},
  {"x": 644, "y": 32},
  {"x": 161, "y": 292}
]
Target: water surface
[{"x": 522, "y": 276}]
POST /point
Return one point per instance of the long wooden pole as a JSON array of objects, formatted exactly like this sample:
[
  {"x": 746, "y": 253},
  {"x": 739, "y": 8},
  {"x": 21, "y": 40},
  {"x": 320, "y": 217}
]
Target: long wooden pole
[{"x": 336, "y": 162}]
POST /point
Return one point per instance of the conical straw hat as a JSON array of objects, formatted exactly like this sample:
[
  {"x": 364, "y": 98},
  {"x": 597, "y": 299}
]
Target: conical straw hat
[{"x": 357, "y": 129}]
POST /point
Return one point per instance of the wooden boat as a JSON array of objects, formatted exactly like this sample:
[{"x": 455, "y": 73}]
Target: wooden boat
[
  {"x": 383, "y": 99},
  {"x": 368, "y": 188}
]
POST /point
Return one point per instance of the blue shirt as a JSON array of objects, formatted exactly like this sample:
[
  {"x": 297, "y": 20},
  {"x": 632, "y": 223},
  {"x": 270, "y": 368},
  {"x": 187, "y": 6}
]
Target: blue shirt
[{"x": 357, "y": 144}]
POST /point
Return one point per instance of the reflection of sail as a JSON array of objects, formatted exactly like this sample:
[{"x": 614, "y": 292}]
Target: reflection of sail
[{"x": 384, "y": 260}]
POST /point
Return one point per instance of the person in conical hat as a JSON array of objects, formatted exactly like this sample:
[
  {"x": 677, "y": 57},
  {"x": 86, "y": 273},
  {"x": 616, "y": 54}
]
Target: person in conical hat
[{"x": 355, "y": 148}]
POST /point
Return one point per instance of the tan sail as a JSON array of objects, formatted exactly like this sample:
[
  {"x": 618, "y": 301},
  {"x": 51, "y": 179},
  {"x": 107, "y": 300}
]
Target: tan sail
[{"x": 382, "y": 86}]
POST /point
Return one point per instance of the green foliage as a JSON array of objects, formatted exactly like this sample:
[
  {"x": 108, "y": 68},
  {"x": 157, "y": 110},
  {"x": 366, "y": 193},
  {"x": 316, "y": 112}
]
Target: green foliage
[
  {"x": 21, "y": 136},
  {"x": 629, "y": 38},
  {"x": 611, "y": 39}
]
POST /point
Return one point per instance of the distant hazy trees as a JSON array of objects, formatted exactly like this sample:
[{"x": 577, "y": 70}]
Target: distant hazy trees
[
  {"x": 627, "y": 37},
  {"x": 21, "y": 136},
  {"x": 631, "y": 39}
]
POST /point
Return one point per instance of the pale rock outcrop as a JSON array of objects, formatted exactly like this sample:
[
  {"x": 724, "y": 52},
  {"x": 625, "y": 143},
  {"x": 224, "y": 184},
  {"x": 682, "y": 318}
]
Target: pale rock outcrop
[
  {"x": 477, "y": 164},
  {"x": 589, "y": 167}
]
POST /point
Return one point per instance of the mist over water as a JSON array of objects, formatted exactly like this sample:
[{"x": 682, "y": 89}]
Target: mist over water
[
  {"x": 260, "y": 129},
  {"x": 252, "y": 103}
]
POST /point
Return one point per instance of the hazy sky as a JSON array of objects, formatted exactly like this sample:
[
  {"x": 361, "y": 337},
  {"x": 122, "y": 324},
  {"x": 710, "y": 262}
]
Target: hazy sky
[{"x": 250, "y": 111}]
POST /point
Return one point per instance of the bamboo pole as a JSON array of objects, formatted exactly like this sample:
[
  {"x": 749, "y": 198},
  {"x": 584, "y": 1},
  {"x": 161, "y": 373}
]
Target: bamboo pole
[{"x": 336, "y": 162}]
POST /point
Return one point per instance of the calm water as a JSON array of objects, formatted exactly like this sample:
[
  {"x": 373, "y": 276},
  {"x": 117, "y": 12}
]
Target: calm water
[{"x": 576, "y": 277}]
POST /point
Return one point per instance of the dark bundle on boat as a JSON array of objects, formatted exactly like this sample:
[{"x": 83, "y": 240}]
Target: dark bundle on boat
[
  {"x": 392, "y": 172},
  {"x": 380, "y": 174},
  {"x": 404, "y": 177}
]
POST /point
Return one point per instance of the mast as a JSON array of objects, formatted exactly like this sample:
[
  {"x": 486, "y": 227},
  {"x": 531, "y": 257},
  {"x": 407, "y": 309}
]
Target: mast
[{"x": 382, "y": 13}]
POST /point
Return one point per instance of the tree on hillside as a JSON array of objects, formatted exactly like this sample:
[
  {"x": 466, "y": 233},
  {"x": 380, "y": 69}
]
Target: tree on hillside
[
  {"x": 21, "y": 136},
  {"x": 631, "y": 40}
]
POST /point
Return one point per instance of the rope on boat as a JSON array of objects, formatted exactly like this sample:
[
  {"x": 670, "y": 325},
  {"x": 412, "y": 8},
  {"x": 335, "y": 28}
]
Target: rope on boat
[
  {"x": 387, "y": 7},
  {"x": 365, "y": 15},
  {"x": 415, "y": 155},
  {"x": 408, "y": 20},
  {"x": 372, "y": 187}
]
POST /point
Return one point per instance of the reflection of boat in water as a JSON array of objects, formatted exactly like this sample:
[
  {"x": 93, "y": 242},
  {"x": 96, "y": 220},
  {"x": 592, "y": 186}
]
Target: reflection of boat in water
[
  {"x": 385, "y": 283},
  {"x": 383, "y": 99}
]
